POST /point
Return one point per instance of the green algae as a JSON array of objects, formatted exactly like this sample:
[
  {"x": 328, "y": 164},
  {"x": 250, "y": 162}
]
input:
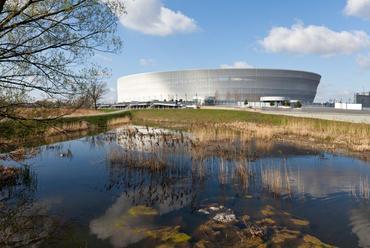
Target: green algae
[{"x": 142, "y": 211}]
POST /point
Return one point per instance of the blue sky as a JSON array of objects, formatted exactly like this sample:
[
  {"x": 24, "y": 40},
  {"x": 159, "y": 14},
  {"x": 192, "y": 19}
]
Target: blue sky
[{"x": 330, "y": 37}]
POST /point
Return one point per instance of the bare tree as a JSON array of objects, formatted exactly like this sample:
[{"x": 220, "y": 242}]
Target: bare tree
[
  {"x": 97, "y": 89},
  {"x": 45, "y": 47}
]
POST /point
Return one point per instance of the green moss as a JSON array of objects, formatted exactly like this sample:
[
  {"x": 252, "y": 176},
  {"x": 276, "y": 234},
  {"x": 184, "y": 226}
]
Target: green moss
[
  {"x": 299, "y": 222},
  {"x": 169, "y": 236},
  {"x": 142, "y": 211},
  {"x": 268, "y": 211},
  {"x": 311, "y": 241}
]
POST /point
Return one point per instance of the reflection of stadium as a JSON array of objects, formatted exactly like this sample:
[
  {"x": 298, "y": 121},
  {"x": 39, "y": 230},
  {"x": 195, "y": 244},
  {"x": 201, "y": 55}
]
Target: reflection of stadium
[{"x": 222, "y": 85}]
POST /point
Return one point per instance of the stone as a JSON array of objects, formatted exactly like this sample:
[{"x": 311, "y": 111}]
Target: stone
[
  {"x": 225, "y": 218},
  {"x": 203, "y": 211}
]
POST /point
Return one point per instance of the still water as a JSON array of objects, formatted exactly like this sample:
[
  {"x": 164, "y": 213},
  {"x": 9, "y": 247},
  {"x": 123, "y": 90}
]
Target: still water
[{"x": 144, "y": 187}]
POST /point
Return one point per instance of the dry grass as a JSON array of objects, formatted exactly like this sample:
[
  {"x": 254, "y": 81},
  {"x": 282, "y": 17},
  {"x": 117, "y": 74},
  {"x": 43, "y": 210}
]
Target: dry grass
[
  {"x": 356, "y": 139},
  {"x": 332, "y": 134},
  {"x": 223, "y": 124},
  {"x": 67, "y": 127},
  {"x": 54, "y": 112},
  {"x": 119, "y": 121}
]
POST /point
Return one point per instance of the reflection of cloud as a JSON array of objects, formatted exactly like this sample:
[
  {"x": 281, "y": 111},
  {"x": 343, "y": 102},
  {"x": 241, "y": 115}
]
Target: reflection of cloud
[
  {"x": 360, "y": 222},
  {"x": 117, "y": 226},
  {"x": 122, "y": 227}
]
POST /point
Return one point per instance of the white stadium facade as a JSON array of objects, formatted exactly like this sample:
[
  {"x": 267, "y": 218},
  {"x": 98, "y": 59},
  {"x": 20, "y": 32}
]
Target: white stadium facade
[{"x": 225, "y": 86}]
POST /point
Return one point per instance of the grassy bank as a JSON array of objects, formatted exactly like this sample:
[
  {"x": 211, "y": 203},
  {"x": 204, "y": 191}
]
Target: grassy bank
[
  {"x": 206, "y": 125},
  {"x": 31, "y": 132},
  {"x": 224, "y": 124}
]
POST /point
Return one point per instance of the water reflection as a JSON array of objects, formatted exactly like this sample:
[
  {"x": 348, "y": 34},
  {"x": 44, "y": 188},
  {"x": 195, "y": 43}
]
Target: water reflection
[
  {"x": 135, "y": 185},
  {"x": 360, "y": 222},
  {"x": 23, "y": 222}
]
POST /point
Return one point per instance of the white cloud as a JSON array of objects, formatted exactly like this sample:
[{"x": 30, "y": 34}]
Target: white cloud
[
  {"x": 147, "y": 62},
  {"x": 153, "y": 18},
  {"x": 312, "y": 39},
  {"x": 363, "y": 61},
  {"x": 237, "y": 64},
  {"x": 359, "y": 8}
]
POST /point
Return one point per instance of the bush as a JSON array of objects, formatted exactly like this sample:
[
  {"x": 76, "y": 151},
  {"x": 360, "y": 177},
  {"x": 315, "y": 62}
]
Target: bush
[
  {"x": 245, "y": 102},
  {"x": 298, "y": 105}
]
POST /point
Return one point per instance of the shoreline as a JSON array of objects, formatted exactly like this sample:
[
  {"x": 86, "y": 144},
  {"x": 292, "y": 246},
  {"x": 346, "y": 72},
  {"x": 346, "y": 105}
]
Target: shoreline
[{"x": 331, "y": 136}]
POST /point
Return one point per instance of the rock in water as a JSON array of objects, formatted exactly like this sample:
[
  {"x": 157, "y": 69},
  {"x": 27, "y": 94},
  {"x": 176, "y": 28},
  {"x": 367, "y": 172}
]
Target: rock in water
[{"x": 225, "y": 218}]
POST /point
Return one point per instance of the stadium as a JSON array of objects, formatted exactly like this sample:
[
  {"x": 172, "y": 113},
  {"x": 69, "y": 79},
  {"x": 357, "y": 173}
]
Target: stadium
[{"x": 223, "y": 86}]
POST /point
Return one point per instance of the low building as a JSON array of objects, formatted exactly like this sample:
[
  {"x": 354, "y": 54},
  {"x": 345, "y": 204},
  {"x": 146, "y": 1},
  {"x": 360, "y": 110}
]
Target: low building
[{"x": 363, "y": 98}]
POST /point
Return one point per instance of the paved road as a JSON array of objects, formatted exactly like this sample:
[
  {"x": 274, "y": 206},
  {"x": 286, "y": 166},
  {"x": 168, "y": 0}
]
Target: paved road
[
  {"x": 355, "y": 117},
  {"x": 317, "y": 113}
]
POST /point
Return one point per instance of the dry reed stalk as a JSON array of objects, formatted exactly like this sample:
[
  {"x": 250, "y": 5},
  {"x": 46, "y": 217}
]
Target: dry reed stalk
[
  {"x": 331, "y": 134},
  {"x": 118, "y": 121},
  {"x": 67, "y": 127}
]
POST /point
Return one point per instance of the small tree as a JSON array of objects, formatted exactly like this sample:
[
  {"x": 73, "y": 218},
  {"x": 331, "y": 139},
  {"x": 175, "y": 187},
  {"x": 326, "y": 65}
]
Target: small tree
[
  {"x": 298, "y": 104},
  {"x": 95, "y": 92},
  {"x": 246, "y": 102}
]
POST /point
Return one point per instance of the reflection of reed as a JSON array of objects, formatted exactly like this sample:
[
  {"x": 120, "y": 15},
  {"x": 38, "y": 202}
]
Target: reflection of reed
[
  {"x": 276, "y": 179},
  {"x": 224, "y": 156},
  {"x": 149, "y": 149},
  {"x": 272, "y": 179},
  {"x": 361, "y": 189},
  {"x": 222, "y": 174},
  {"x": 170, "y": 153},
  {"x": 242, "y": 174}
]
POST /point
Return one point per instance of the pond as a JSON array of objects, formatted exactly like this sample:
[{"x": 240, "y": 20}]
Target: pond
[{"x": 146, "y": 187}]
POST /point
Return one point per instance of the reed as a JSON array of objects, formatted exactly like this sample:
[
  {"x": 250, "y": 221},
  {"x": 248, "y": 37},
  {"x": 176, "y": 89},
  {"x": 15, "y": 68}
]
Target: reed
[
  {"x": 67, "y": 128},
  {"x": 118, "y": 121},
  {"x": 226, "y": 125}
]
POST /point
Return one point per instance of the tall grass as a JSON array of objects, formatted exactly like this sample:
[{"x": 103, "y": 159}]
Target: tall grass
[
  {"x": 225, "y": 124},
  {"x": 36, "y": 132}
]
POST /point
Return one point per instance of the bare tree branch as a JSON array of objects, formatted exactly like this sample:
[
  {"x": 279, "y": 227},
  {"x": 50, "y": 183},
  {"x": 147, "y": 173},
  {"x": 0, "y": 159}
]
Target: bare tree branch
[{"x": 46, "y": 46}]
